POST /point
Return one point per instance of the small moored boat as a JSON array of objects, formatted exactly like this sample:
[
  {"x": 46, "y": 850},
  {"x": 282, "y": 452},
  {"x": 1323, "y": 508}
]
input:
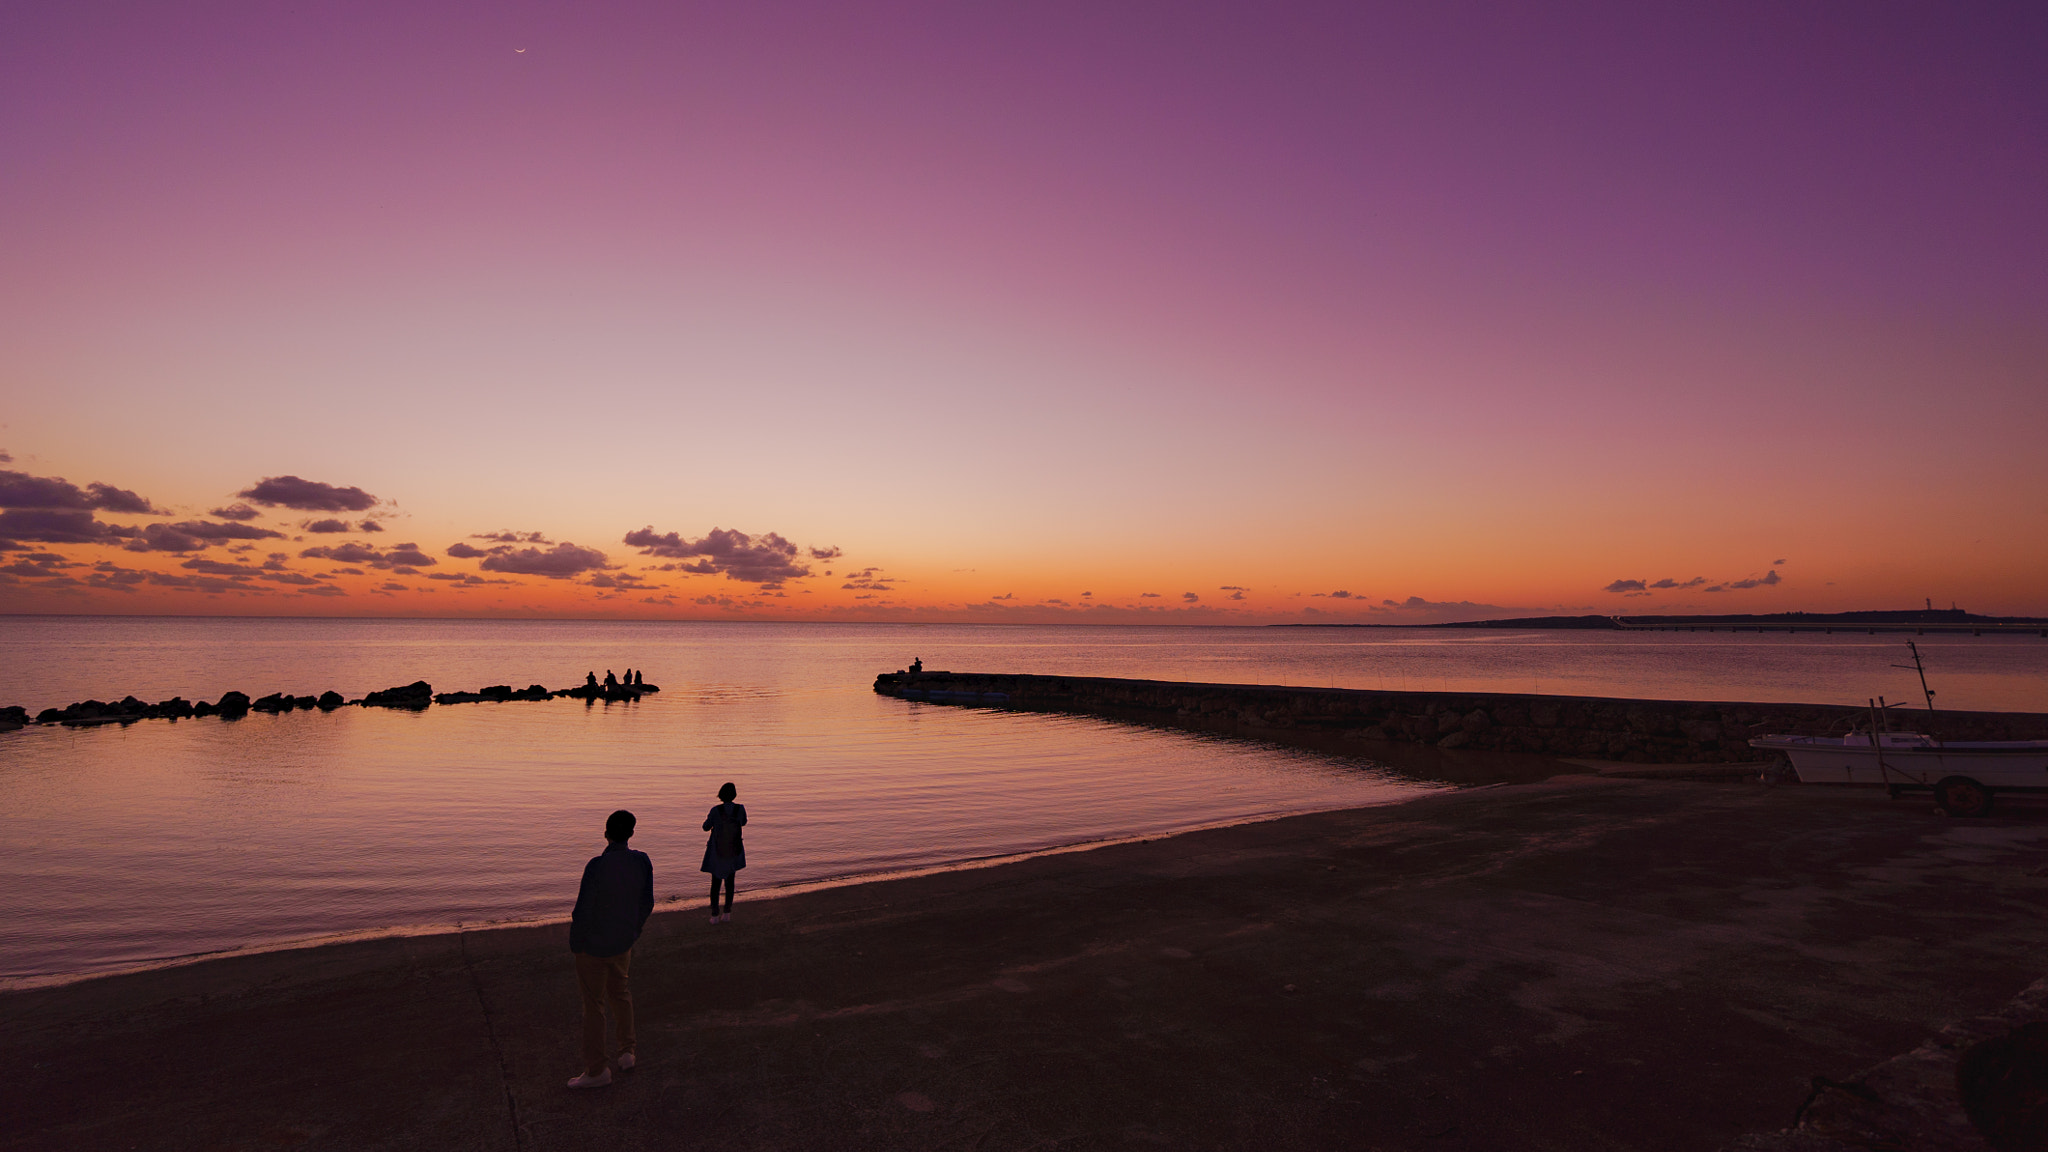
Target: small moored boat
[{"x": 1962, "y": 775}]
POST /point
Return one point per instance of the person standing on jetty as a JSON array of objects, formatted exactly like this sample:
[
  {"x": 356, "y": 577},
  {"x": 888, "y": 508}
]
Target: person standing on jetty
[
  {"x": 725, "y": 853},
  {"x": 612, "y": 907}
]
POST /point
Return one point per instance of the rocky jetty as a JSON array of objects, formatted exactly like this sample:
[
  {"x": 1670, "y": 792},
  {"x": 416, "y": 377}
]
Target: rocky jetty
[
  {"x": 1346, "y": 719},
  {"x": 417, "y": 694},
  {"x": 232, "y": 705},
  {"x": 495, "y": 694},
  {"x": 609, "y": 692}
]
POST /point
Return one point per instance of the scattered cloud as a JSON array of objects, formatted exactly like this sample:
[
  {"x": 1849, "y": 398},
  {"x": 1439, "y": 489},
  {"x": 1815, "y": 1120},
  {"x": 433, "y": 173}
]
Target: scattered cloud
[
  {"x": 322, "y": 527},
  {"x": 1778, "y": 562},
  {"x": 1668, "y": 582},
  {"x": 868, "y": 579},
  {"x": 462, "y": 551},
  {"x": 1148, "y": 595},
  {"x": 408, "y": 555},
  {"x": 1625, "y": 586},
  {"x": 1763, "y": 581},
  {"x": 507, "y": 536},
  {"x": 307, "y": 495},
  {"x": 767, "y": 559},
  {"x": 834, "y": 553},
  {"x": 235, "y": 512},
  {"x": 19, "y": 490},
  {"x": 56, "y": 526},
  {"x": 370, "y": 526},
  {"x": 560, "y": 562},
  {"x": 1339, "y": 594},
  {"x": 1189, "y": 597},
  {"x": 112, "y": 499}
]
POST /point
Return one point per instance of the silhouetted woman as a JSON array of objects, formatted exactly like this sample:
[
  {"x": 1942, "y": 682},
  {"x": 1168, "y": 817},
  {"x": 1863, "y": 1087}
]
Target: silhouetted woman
[{"x": 725, "y": 853}]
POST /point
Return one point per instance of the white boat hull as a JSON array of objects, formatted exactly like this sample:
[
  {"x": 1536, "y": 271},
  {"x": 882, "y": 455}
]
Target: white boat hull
[{"x": 2004, "y": 766}]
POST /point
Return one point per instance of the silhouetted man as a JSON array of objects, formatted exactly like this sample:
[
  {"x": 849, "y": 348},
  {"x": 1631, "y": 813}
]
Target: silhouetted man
[
  {"x": 611, "y": 907},
  {"x": 610, "y": 681}
]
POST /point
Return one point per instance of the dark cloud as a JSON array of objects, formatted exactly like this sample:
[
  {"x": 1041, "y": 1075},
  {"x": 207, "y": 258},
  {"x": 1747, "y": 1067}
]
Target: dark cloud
[
  {"x": 37, "y": 565},
  {"x": 507, "y": 536},
  {"x": 767, "y": 559},
  {"x": 1190, "y": 597},
  {"x": 622, "y": 580},
  {"x": 57, "y": 526},
  {"x": 834, "y": 553},
  {"x": 1777, "y": 561},
  {"x": 1005, "y": 596},
  {"x": 370, "y": 526},
  {"x": 293, "y": 578},
  {"x": 868, "y": 579},
  {"x": 5, "y": 458},
  {"x": 324, "y": 527},
  {"x": 1625, "y": 586},
  {"x": 112, "y": 499},
  {"x": 463, "y": 579},
  {"x": 1763, "y": 581},
  {"x": 217, "y": 568},
  {"x": 1340, "y": 594},
  {"x": 1148, "y": 595},
  {"x": 560, "y": 562},
  {"x": 307, "y": 495},
  {"x": 192, "y": 535},
  {"x": 1668, "y": 582},
  {"x": 51, "y": 493},
  {"x": 462, "y": 551},
  {"x": 235, "y": 512},
  {"x": 352, "y": 552}
]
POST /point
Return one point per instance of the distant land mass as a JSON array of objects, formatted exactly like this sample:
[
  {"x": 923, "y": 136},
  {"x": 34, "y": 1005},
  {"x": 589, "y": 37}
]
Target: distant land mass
[{"x": 1943, "y": 619}]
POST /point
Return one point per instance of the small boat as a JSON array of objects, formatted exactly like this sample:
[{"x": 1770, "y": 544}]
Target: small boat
[{"x": 1962, "y": 775}]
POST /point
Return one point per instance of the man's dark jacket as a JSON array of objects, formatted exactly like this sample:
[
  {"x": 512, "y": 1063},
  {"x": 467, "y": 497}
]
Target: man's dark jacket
[{"x": 614, "y": 902}]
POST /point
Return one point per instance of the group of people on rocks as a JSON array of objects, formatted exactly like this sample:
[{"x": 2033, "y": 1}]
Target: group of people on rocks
[
  {"x": 612, "y": 906},
  {"x": 612, "y": 683}
]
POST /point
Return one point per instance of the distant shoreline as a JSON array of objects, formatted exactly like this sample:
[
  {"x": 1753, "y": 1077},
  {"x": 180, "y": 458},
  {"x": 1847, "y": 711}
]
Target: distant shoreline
[{"x": 1937, "y": 619}]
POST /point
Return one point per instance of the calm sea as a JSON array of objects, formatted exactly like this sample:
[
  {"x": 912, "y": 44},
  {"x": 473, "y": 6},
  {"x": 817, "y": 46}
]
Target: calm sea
[{"x": 122, "y": 846}]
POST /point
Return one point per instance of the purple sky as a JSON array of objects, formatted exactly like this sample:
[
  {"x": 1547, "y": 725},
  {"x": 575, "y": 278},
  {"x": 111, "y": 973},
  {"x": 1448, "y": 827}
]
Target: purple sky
[{"x": 1496, "y": 303}]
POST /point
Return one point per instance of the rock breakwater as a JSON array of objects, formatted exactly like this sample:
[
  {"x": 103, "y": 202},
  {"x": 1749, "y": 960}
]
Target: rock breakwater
[
  {"x": 233, "y": 705},
  {"x": 1640, "y": 731}
]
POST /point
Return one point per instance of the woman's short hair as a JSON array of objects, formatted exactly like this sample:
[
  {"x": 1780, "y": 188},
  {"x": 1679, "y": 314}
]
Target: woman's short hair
[
  {"x": 726, "y": 791},
  {"x": 619, "y": 825}
]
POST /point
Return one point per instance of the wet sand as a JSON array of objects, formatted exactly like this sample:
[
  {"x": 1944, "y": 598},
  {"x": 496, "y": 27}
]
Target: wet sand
[{"x": 1586, "y": 962}]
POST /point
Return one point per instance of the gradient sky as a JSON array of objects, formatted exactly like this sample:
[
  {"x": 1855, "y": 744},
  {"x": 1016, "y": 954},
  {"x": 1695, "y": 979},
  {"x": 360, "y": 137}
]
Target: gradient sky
[{"x": 1029, "y": 310}]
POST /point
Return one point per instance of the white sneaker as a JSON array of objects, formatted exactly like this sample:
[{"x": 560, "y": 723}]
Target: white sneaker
[
  {"x": 625, "y": 1061},
  {"x": 588, "y": 1081}
]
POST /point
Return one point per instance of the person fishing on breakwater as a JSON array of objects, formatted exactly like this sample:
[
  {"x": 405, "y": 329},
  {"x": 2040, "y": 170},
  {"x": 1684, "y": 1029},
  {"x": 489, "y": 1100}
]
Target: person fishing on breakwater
[
  {"x": 725, "y": 853},
  {"x": 612, "y": 906}
]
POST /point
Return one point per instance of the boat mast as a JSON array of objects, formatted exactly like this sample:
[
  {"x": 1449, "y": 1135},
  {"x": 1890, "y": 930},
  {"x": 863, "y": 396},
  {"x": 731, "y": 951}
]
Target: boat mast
[{"x": 1917, "y": 667}]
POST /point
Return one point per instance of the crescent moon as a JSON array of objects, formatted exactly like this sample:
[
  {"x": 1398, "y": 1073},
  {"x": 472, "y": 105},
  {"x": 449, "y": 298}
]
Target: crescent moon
[{"x": 519, "y": 49}]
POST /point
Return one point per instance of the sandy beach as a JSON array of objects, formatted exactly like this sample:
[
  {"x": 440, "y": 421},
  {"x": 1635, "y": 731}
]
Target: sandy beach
[{"x": 1578, "y": 963}]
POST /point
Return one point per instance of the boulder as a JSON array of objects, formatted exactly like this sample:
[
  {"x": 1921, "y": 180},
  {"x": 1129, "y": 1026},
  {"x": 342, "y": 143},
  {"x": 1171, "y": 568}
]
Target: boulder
[
  {"x": 232, "y": 705},
  {"x": 204, "y": 708},
  {"x": 417, "y": 694},
  {"x": 496, "y": 692},
  {"x": 329, "y": 701},
  {"x": 532, "y": 692},
  {"x": 15, "y": 714},
  {"x": 173, "y": 709},
  {"x": 306, "y": 701},
  {"x": 275, "y": 702}
]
